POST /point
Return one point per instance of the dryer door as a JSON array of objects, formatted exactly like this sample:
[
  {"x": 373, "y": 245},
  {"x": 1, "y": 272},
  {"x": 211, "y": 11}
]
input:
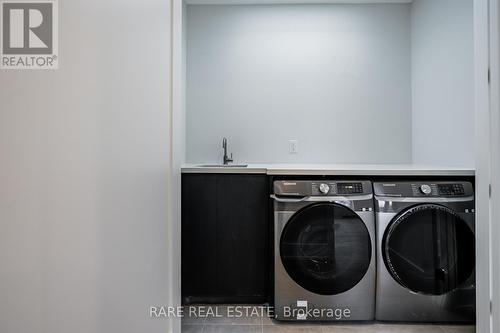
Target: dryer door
[
  {"x": 429, "y": 249},
  {"x": 326, "y": 248}
]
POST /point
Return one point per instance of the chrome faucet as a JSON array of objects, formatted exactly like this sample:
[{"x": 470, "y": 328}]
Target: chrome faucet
[{"x": 226, "y": 160}]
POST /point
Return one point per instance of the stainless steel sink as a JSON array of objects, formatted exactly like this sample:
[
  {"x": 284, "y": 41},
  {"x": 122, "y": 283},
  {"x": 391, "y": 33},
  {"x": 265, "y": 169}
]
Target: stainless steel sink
[{"x": 223, "y": 165}]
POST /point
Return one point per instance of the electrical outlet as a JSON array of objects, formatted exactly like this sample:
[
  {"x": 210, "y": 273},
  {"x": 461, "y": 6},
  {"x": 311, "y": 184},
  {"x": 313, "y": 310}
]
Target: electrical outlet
[{"x": 293, "y": 146}]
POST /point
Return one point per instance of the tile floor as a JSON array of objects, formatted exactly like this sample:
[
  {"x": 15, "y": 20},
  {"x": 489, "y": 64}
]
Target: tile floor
[{"x": 223, "y": 323}]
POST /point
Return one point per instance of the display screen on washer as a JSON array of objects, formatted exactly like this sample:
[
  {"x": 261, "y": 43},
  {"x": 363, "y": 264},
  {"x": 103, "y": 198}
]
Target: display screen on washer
[
  {"x": 429, "y": 249},
  {"x": 326, "y": 248},
  {"x": 349, "y": 188},
  {"x": 451, "y": 189}
]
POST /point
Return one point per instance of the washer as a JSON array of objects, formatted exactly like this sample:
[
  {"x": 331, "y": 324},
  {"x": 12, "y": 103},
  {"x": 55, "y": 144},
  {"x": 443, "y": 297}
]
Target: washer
[
  {"x": 324, "y": 242},
  {"x": 425, "y": 251}
]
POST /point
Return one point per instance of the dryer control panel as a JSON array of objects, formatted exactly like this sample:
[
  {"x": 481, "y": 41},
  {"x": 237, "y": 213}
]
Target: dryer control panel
[
  {"x": 424, "y": 189},
  {"x": 451, "y": 189}
]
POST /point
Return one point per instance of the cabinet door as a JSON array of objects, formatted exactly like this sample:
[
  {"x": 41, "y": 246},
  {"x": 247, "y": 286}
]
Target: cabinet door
[
  {"x": 198, "y": 235},
  {"x": 242, "y": 235}
]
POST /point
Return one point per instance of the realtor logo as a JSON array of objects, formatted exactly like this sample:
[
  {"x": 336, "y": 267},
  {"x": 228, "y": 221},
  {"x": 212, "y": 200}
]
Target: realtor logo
[{"x": 29, "y": 34}]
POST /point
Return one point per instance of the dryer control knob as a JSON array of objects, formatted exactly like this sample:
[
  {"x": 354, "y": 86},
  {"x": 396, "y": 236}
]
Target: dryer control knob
[
  {"x": 324, "y": 188},
  {"x": 425, "y": 189}
]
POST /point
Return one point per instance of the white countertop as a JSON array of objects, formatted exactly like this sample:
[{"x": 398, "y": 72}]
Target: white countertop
[{"x": 335, "y": 169}]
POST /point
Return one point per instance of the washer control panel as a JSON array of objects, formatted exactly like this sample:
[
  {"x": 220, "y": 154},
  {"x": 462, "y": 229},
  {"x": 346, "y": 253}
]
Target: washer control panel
[
  {"x": 424, "y": 189},
  {"x": 322, "y": 188},
  {"x": 336, "y": 188}
]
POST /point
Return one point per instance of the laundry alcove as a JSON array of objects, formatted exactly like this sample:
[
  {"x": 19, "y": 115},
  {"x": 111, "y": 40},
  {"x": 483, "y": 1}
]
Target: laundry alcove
[{"x": 369, "y": 82}]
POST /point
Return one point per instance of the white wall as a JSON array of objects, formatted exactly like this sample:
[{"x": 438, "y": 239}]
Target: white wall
[
  {"x": 443, "y": 82},
  {"x": 85, "y": 154},
  {"x": 334, "y": 77}
]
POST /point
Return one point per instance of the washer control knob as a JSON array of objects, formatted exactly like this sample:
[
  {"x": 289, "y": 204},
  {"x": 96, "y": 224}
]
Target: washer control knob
[
  {"x": 425, "y": 189},
  {"x": 324, "y": 188}
]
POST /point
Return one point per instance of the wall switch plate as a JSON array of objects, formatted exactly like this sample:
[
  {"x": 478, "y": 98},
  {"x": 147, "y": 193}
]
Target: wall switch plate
[{"x": 293, "y": 146}]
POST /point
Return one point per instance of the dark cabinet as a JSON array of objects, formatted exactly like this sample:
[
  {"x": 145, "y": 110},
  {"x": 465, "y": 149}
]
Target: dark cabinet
[
  {"x": 199, "y": 239},
  {"x": 224, "y": 238}
]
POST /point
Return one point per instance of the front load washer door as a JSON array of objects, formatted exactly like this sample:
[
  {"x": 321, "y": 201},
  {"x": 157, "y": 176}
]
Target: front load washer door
[
  {"x": 325, "y": 248},
  {"x": 429, "y": 249}
]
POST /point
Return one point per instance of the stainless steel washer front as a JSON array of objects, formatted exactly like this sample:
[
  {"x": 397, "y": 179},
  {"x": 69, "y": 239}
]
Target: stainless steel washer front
[{"x": 324, "y": 250}]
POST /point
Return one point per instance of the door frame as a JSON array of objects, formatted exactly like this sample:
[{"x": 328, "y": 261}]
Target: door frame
[
  {"x": 483, "y": 165},
  {"x": 494, "y": 128}
]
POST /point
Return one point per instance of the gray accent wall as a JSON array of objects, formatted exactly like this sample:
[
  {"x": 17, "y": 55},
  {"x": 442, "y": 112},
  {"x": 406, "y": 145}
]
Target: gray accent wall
[{"x": 337, "y": 78}]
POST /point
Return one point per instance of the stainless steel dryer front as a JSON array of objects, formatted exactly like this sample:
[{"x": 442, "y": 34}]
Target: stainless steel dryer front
[
  {"x": 426, "y": 251},
  {"x": 324, "y": 244}
]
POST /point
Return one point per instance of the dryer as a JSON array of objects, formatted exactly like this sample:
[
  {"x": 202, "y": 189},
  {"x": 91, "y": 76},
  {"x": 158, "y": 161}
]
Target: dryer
[
  {"x": 324, "y": 242},
  {"x": 425, "y": 251}
]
